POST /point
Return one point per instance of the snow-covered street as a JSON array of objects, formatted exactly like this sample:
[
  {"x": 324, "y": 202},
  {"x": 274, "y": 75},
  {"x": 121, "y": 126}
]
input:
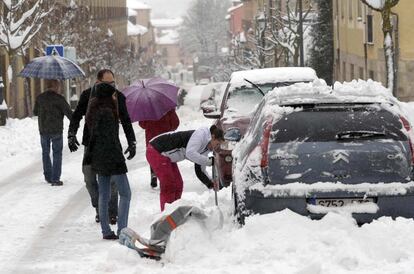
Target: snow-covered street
[{"x": 48, "y": 229}]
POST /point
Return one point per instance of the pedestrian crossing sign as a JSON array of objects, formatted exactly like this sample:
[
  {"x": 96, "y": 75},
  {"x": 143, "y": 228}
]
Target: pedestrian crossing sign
[{"x": 54, "y": 50}]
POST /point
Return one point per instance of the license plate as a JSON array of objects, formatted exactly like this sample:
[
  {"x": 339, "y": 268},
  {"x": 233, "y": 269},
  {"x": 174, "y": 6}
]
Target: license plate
[{"x": 331, "y": 202}]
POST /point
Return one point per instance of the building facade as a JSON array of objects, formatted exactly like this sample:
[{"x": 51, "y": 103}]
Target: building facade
[
  {"x": 358, "y": 44},
  {"x": 110, "y": 16}
]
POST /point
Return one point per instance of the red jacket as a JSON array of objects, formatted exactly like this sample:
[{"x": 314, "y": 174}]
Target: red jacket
[{"x": 169, "y": 122}]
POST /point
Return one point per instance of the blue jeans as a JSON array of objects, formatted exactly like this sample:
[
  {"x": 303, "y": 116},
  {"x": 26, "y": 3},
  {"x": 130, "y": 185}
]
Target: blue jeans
[
  {"x": 52, "y": 171},
  {"x": 104, "y": 195},
  {"x": 92, "y": 186}
]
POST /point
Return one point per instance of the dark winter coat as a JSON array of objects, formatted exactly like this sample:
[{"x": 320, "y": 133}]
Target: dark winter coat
[
  {"x": 104, "y": 150},
  {"x": 81, "y": 109},
  {"x": 169, "y": 122},
  {"x": 51, "y": 107}
]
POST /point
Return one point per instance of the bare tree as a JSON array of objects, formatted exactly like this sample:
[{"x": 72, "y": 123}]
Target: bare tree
[
  {"x": 73, "y": 25},
  {"x": 204, "y": 27},
  {"x": 20, "y": 22},
  {"x": 284, "y": 32},
  {"x": 384, "y": 7}
]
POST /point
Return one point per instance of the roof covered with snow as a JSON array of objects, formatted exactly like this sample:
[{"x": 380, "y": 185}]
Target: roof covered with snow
[
  {"x": 137, "y": 5},
  {"x": 272, "y": 75},
  {"x": 132, "y": 12},
  {"x": 167, "y": 22},
  {"x": 376, "y": 4},
  {"x": 167, "y": 37},
  {"x": 235, "y": 7},
  {"x": 136, "y": 29}
]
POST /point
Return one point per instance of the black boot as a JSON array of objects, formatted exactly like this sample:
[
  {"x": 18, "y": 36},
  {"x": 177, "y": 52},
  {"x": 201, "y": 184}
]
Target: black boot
[
  {"x": 153, "y": 179},
  {"x": 111, "y": 236},
  {"x": 154, "y": 182},
  {"x": 97, "y": 216}
]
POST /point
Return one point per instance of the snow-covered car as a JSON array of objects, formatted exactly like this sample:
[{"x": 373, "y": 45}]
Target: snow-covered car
[
  {"x": 243, "y": 92},
  {"x": 314, "y": 149},
  {"x": 211, "y": 96},
  {"x": 204, "y": 81}
]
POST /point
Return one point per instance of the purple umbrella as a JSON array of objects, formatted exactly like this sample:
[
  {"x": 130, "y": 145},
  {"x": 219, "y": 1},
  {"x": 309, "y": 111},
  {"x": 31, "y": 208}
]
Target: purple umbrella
[{"x": 150, "y": 99}]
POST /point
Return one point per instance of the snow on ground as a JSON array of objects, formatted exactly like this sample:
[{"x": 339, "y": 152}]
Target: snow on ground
[{"x": 46, "y": 229}]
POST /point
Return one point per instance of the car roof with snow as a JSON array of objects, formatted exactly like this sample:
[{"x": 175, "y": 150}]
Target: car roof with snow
[
  {"x": 318, "y": 92},
  {"x": 272, "y": 75}
]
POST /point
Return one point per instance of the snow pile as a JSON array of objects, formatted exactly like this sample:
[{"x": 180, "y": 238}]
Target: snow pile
[
  {"x": 24, "y": 132},
  {"x": 357, "y": 91},
  {"x": 361, "y": 90},
  {"x": 289, "y": 243}
]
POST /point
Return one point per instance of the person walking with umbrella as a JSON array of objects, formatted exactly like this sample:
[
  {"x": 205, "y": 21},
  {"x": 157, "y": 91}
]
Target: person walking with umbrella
[
  {"x": 51, "y": 107},
  {"x": 165, "y": 150},
  {"x": 104, "y": 155},
  {"x": 151, "y": 91},
  {"x": 90, "y": 177}
]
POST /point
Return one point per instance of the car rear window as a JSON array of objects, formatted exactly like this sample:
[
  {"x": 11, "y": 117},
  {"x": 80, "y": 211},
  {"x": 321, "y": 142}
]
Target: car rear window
[{"x": 324, "y": 124}]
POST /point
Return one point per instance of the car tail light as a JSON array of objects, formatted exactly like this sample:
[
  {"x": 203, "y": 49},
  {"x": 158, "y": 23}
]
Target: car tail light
[
  {"x": 407, "y": 127},
  {"x": 264, "y": 144}
]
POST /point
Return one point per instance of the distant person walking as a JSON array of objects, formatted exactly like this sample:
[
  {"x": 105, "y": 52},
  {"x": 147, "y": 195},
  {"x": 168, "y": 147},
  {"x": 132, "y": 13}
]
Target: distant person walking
[
  {"x": 165, "y": 150},
  {"x": 104, "y": 155},
  {"x": 169, "y": 122},
  {"x": 51, "y": 107},
  {"x": 103, "y": 76}
]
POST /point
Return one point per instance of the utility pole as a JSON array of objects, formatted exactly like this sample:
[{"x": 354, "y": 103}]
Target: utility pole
[{"x": 302, "y": 59}]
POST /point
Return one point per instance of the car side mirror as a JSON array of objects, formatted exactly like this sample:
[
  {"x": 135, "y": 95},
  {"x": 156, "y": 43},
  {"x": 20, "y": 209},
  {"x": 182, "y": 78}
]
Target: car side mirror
[
  {"x": 233, "y": 134},
  {"x": 212, "y": 115}
]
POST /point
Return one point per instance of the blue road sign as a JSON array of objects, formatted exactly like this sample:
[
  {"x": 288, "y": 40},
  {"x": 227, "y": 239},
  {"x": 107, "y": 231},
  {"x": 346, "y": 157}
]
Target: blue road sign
[{"x": 54, "y": 50}]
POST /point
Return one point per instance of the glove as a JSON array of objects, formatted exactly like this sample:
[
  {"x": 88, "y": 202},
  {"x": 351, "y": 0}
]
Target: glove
[
  {"x": 132, "y": 150},
  {"x": 214, "y": 185},
  {"x": 73, "y": 143},
  {"x": 210, "y": 161}
]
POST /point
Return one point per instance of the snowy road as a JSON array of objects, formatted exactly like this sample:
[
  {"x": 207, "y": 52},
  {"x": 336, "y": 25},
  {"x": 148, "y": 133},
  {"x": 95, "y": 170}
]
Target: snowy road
[{"x": 46, "y": 229}]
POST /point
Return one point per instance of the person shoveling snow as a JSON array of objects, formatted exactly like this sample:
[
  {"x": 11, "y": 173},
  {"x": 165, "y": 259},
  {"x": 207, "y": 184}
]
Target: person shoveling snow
[{"x": 161, "y": 230}]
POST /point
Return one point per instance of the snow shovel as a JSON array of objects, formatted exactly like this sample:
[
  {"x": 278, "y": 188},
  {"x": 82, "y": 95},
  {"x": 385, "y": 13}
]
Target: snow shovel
[
  {"x": 216, "y": 212},
  {"x": 154, "y": 247}
]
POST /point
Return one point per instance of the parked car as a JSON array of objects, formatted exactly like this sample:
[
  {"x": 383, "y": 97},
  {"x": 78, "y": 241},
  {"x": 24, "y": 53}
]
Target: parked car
[
  {"x": 211, "y": 96},
  {"x": 243, "y": 92},
  {"x": 314, "y": 150},
  {"x": 204, "y": 81}
]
